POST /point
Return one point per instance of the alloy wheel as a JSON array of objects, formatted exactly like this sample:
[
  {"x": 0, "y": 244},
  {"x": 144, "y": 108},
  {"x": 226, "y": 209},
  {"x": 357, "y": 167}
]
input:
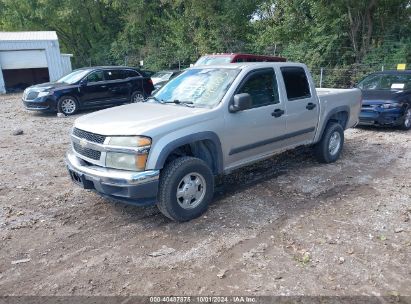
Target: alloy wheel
[
  {"x": 334, "y": 143},
  {"x": 191, "y": 190},
  {"x": 407, "y": 118},
  {"x": 138, "y": 98},
  {"x": 68, "y": 106}
]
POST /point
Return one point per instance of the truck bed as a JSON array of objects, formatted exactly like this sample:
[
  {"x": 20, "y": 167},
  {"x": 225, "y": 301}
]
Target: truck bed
[
  {"x": 334, "y": 98},
  {"x": 328, "y": 91}
]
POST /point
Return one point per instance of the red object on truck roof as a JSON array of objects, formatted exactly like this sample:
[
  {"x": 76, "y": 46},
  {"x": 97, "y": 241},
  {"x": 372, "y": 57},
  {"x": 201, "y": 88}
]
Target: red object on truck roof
[{"x": 236, "y": 57}]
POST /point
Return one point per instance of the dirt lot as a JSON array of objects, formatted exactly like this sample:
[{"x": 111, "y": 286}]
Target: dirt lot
[{"x": 287, "y": 226}]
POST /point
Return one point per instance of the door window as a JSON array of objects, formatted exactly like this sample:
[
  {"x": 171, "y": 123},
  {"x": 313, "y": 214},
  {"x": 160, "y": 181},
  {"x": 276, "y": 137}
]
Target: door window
[
  {"x": 95, "y": 76},
  {"x": 296, "y": 83},
  {"x": 262, "y": 87}
]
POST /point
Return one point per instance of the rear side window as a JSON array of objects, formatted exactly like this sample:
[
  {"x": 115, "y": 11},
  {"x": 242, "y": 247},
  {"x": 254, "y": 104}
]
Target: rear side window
[
  {"x": 296, "y": 83},
  {"x": 131, "y": 73},
  {"x": 115, "y": 74},
  {"x": 262, "y": 86}
]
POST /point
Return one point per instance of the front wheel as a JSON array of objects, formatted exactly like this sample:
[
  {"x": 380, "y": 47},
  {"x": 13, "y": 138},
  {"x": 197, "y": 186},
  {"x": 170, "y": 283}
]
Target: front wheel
[
  {"x": 406, "y": 125},
  {"x": 186, "y": 188},
  {"x": 67, "y": 105},
  {"x": 329, "y": 148}
]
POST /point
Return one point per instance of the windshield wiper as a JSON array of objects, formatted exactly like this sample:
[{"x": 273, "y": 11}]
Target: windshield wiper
[{"x": 189, "y": 104}]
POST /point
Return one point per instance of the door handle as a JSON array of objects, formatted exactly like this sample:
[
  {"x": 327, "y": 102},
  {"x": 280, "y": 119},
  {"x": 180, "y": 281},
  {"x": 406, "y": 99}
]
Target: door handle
[
  {"x": 277, "y": 113},
  {"x": 103, "y": 86},
  {"x": 310, "y": 106}
]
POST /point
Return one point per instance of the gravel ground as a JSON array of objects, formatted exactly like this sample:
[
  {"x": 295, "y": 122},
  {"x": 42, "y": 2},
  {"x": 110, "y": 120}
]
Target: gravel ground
[{"x": 286, "y": 226}]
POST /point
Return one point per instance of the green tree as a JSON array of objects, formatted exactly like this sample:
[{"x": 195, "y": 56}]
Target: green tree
[{"x": 85, "y": 28}]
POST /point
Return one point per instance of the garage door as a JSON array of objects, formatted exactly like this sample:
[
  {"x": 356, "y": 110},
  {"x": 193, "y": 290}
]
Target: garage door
[{"x": 27, "y": 59}]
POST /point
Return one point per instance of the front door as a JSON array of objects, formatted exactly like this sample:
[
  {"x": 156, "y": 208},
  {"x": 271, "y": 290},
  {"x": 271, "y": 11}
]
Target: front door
[
  {"x": 95, "y": 90},
  {"x": 258, "y": 131}
]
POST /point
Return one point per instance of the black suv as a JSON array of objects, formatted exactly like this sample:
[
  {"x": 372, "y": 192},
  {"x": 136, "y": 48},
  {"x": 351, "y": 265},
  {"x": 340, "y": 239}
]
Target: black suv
[{"x": 89, "y": 88}]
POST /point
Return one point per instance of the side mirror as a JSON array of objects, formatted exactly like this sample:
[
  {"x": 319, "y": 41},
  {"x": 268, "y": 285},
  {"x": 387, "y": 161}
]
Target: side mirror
[
  {"x": 241, "y": 102},
  {"x": 83, "y": 83}
]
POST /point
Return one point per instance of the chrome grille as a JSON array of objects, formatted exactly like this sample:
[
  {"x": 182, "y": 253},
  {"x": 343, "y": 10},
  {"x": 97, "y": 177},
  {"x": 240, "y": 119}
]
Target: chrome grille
[
  {"x": 97, "y": 138},
  {"x": 89, "y": 153}
]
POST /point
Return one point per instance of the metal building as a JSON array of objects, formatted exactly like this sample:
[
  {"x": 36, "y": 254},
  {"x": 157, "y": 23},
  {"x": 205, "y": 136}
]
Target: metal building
[{"x": 27, "y": 58}]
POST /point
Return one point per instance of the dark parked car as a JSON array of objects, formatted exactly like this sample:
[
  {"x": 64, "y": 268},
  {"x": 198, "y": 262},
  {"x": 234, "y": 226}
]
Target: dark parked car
[
  {"x": 89, "y": 88},
  {"x": 387, "y": 99}
]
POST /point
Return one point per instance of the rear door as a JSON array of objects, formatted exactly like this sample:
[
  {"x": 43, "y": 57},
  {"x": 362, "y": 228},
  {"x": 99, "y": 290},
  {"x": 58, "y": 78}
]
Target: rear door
[
  {"x": 94, "y": 90},
  {"x": 257, "y": 131},
  {"x": 301, "y": 106},
  {"x": 118, "y": 84}
]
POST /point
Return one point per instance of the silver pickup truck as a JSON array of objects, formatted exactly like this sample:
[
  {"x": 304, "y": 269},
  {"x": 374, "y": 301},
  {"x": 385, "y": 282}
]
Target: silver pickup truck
[{"x": 207, "y": 121}]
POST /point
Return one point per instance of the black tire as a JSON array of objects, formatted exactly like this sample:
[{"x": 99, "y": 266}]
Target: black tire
[
  {"x": 406, "y": 124},
  {"x": 63, "y": 105},
  {"x": 137, "y": 94},
  {"x": 171, "y": 179},
  {"x": 323, "y": 149}
]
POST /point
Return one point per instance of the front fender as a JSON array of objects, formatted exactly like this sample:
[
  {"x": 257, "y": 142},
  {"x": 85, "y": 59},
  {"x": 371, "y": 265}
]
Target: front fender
[{"x": 188, "y": 139}]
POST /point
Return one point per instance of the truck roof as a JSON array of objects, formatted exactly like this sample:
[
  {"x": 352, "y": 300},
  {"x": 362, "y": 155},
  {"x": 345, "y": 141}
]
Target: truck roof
[{"x": 242, "y": 65}]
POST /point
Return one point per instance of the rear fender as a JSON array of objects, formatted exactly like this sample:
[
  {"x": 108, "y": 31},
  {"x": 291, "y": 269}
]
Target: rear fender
[{"x": 340, "y": 109}]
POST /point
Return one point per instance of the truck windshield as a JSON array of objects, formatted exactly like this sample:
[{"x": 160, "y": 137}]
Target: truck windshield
[
  {"x": 73, "y": 77},
  {"x": 201, "y": 87},
  {"x": 386, "y": 82},
  {"x": 208, "y": 60}
]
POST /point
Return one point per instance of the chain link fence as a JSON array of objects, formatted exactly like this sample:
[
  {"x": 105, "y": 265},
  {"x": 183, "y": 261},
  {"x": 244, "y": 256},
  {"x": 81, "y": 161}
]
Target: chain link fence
[
  {"x": 344, "y": 78},
  {"x": 331, "y": 77}
]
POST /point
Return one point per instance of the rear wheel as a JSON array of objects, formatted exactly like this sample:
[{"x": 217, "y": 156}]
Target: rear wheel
[
  {"x": 67, "y": 105},
  {"x": 186, "y": 188},
  {"x": 137, "y": 97},
  {"x": 406, "y": 125},
  {"x": 329, "y": 148}
]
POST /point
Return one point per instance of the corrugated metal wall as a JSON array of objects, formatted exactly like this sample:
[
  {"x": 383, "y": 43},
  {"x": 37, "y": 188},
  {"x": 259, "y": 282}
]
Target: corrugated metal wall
[
  {"x": 56, "y": 65},
  {"x": 66, "y": 63}
]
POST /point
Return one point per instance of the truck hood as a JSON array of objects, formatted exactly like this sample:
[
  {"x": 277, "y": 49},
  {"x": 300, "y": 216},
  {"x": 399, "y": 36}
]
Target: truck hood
[{"x": 136, "y": 118}]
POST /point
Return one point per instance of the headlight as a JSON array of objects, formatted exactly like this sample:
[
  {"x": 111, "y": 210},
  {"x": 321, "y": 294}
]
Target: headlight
[
  {"x": 43, "y": 93},
  {"x": 133, "y": 160},
  {"x": 130, "y": 141},
  {"x": 125, "y": 161},
  {"x": 394, "y": 105}
]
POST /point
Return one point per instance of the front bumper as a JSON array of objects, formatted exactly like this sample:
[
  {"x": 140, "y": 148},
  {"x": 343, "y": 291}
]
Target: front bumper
[
  {"x": 390, "y": 117},
  {"x": 139, "y": 188},
  {"x": 45, "y": 103}
]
